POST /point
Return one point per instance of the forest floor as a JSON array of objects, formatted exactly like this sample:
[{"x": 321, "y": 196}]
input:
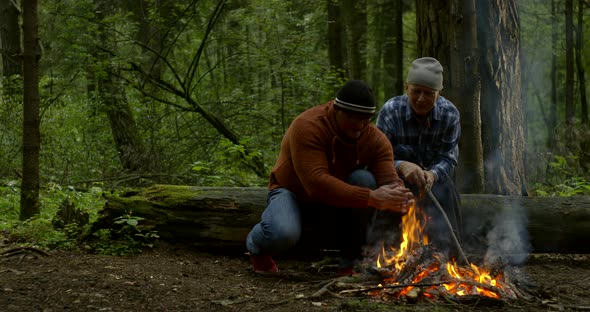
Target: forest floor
[{"x": 176, "y": 278}]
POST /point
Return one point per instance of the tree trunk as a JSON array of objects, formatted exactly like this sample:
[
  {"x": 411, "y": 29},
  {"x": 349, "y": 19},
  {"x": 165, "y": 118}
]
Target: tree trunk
[
  {"x": 29, "y": 199},
  {"x": 113, "y": 100},
  {"x": 433, "y": 32},
  {"x": 336, "y": 47},
  {"x": 10, "y": 38},
  {"x": 154, "y": 19},
  {"x": 463, "y": 88},
  {"x": 501, "y": 102},
  {"x": 580, "y": 64},
  {"x": 355, "y": 21},
  {"x": 375, "y": 43},
  {"x": 223, "y": 216},
  {"x": 393, "y": 48},
  {"x": 554, "y": 102},
  {"x": 452, "y": 39},
  {"x": 569, "y": 64}
]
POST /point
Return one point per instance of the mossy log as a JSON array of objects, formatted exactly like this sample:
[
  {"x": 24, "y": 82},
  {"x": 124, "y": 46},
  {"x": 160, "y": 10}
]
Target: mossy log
[{"x": 223, "y": 216}]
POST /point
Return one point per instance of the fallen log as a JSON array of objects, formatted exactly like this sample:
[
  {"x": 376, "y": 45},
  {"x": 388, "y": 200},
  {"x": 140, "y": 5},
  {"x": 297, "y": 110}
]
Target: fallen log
[{"x": 223, "y": 216}]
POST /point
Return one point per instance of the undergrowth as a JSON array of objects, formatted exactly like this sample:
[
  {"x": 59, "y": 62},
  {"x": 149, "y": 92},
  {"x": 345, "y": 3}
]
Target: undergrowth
[
  {"x": 563, "y": 178},
  {"x": 48, "y": 231}
]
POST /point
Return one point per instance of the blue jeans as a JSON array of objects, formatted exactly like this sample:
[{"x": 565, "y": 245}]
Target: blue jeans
[{"x": 282, "y": 221}]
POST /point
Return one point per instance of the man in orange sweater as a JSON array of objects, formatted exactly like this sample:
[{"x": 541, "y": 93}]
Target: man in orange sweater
[{"x": 334, "y": 168}]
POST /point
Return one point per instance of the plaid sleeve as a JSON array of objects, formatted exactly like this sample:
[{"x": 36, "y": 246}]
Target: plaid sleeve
[{"x": 448, "y": 155}]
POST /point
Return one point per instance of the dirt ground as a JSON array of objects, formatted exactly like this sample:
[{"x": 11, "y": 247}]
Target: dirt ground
[{"x": 175, "y": 278}]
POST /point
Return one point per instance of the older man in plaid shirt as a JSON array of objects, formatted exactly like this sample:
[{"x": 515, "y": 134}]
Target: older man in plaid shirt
[{"x": 424, "y": 129}]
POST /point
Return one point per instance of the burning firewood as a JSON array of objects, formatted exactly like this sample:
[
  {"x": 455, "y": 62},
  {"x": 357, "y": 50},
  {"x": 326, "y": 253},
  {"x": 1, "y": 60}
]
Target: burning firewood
[{"x": 417, "y": 271}]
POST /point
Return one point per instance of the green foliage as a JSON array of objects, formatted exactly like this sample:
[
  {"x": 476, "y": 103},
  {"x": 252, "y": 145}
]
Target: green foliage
[
  {"x": 562, "y": 179},
  {"x": 129, "y": 238},
  {"x": 9, "y": 203},
  {"x": 11, "y": 119},
  {"x": 228, "y": 169},
  {"x": 106, "y": 244},
  {"x": 39, "y": 231},
  {"x": 564, "y": 170}
]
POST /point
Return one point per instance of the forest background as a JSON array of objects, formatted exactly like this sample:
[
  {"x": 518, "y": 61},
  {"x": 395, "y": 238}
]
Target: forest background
[{"x": 139, "y": 92}]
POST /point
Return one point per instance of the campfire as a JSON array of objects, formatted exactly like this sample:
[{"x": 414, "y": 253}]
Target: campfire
[{"x": 417, "y": 271}]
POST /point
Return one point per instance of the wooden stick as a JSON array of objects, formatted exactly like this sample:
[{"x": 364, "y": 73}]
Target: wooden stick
[
  {"x": 442, "y": 211},
  {"x": 324, "y": 289},
  {"x": 391, "y": 287}
]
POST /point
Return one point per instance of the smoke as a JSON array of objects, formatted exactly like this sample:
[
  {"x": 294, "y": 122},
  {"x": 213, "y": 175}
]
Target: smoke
[
  {"x": 383, "y": 231},
  {"x": 508, "y": 240}
]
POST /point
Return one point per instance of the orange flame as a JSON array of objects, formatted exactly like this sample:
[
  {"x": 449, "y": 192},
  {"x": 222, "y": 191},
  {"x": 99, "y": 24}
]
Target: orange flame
[
  {"x": 413, "y": 236},
  {"x": 476, "y": 274}
]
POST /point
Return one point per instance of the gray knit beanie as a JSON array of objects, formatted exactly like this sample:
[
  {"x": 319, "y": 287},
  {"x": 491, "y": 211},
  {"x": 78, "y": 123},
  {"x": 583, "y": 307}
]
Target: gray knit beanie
[{"x": 427, "y": 72}]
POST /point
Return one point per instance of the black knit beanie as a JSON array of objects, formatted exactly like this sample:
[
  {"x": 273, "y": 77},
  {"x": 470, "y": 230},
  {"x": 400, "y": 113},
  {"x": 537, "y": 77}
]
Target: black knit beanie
[{"x": 357, "y": 97}]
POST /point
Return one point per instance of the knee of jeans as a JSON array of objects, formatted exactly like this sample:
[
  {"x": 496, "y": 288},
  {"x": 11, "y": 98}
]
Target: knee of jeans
[
  {"x": 287, "y": 235},
  {"x": 362, "y": 177}
]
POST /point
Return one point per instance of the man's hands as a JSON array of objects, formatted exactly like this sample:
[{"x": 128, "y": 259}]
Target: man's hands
[
  {"x": 391, "y": 197},
  {"x": 416, "y": 175}
]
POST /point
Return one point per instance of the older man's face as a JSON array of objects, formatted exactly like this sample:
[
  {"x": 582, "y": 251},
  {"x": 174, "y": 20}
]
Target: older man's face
[{"x": 422, "y": 99}]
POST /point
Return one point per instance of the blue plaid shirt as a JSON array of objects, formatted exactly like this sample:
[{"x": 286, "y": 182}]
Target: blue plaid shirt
[{"x": 433, "y": 145}]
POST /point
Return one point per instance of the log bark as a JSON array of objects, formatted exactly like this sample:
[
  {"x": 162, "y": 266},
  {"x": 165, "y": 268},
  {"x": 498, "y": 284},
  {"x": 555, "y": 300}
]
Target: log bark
[{"x": 222, "y": 216}]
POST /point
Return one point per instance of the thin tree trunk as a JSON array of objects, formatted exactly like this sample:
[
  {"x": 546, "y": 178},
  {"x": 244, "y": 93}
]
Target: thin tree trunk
[
  {"x": 501, "y": 103},
  {"x": 335, "y": 34},
  {"x": 554, "y": 102},
  {"x": 10, "y": 38},
  {"x": 112, "y": 96},
  {"x": 464, "y": 87},
  {"x": 29, "y": 199},
  {"x": 355, "y": 17},
  {"x": 580, "y": 63},
  {"x": 375, "y": 45},
  {"x": 393, "y": 48},
  {"x": 569, "y": 63},
  {"x": 154, "y": 19}
]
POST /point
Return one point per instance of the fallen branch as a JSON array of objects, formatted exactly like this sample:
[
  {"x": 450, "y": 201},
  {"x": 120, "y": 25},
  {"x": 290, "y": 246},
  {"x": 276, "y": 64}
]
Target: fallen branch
[
  {"x": 346, "y": 291},
  {"x": 20, "y": 250},
  {"x": 325, "y": 289},
  {"x": 561, "y": 307}
]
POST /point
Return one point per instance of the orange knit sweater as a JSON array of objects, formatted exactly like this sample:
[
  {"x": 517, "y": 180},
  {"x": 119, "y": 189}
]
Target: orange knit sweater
[{"x": 315, "y": 160}]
